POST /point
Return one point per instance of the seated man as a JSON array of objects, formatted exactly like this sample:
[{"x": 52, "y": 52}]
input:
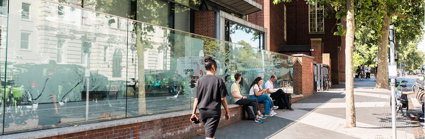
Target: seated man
[
  {"x": 244, "y": 101},
  {"x": 281, "y": 99}
]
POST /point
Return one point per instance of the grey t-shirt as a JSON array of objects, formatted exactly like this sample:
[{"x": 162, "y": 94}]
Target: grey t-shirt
[{"x": 209, "y": 91}]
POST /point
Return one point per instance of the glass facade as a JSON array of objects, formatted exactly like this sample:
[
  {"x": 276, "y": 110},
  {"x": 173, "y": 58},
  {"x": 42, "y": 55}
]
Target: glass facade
[
  {"x": 173, "y": 14},
  {"x": 243, "y": 35},
  {"x": 79, "y": 66}
]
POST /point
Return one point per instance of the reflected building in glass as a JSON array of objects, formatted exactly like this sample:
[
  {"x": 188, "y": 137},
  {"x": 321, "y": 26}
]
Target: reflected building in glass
[{"x": 70, "y": 62}]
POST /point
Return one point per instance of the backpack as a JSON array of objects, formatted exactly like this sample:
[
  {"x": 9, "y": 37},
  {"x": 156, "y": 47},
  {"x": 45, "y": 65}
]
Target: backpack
[{"x": 248, "y": 113}]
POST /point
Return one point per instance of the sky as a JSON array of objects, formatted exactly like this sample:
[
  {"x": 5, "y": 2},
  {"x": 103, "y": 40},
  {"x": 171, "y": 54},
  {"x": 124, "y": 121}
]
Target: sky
[{"x": 421, "y": 45}]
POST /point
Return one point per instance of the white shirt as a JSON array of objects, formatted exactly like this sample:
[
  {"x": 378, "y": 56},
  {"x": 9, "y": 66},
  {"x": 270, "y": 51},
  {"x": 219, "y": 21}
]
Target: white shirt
[
  {"x": 270, "y": 86},
  {"x": 251, "y": 91}
]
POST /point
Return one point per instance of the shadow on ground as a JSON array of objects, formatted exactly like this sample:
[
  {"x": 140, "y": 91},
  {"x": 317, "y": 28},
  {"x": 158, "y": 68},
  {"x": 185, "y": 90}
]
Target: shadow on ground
[{"x": 248, "y": 129}]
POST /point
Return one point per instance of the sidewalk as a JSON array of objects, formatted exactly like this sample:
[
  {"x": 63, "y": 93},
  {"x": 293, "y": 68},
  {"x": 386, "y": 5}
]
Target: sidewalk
[{"x": 323, "y": 116}]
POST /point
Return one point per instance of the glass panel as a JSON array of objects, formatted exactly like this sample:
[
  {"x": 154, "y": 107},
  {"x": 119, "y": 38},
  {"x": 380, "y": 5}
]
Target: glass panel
[
  {"x": 191, "y": 3},
  {"x": 81, "y": 67},
  {"x": 61, "y": 79},
  {"x": 115, "y": 7},
  {"x": 249, "y": 63},
  {"x": 280, "y": 66},
  {"x": 312, "y": 16},
  {"x": 320, "y": 19},
  {"x": 77, "y": 3},
  {"x": 3, "y": 38},
  {"x": 153, "y": 11},
  {"x": 182, "y": 18}
]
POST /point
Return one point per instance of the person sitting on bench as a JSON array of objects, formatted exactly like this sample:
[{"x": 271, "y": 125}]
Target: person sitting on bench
[
  {"x": 245, "y": 101},
  {"x": 281, "y": 99}
]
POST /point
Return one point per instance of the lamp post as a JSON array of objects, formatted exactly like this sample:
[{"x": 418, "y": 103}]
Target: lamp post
[
  {"x": 86, "y": 52},
  {"x": 423, "y": 98},
  {"x": 393, "y": 74}
]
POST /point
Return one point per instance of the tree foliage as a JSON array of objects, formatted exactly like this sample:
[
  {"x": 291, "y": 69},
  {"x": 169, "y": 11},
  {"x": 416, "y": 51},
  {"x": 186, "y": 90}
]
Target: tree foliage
[{"x": 406, "y": 15}]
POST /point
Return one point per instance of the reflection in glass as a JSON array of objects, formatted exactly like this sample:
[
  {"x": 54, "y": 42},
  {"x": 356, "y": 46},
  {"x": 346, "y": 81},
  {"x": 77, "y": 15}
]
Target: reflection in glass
[
  {"x": 243, "y": 35},
  {"x": 182, "y": 18},
  {"x": 3, "y": 38},
  {"x": 153, "y": 11},
  {"x": 75, "y": 66},
  {"x": 25, "y": 13},
  {"x": 115, "y": 7}
]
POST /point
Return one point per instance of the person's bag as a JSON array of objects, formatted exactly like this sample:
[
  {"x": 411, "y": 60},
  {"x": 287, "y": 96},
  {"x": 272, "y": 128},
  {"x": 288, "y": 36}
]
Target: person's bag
[{"x": 248, "y": 113}]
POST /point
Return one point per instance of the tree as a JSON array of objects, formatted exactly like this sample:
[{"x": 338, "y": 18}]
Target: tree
[
  {"x": 350, "y": 112},
  {"x": 406, "y": 17},
  {"x": 377, "y": 15},
  {"x": 409, "y": 58}
]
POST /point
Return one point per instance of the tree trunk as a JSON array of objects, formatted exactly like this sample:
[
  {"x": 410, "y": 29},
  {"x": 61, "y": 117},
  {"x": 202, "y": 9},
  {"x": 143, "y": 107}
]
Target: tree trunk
[
  {"x": 141, "y": 68},
  {"x": 382, "y": 80},
  {"x": 350, "y": 112}
]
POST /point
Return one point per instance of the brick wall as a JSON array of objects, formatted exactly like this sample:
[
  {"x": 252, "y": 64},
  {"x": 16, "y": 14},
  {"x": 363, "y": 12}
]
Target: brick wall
[
  {"x": 276, "y": 26},
  {"x": 258, "y": 17},
  {"x": 205, "y": 23},
  {"x": 303, "y": 75},
  {"x": 164, "y": 126},
  {"x": 316, "y": 44},
  {"x": 298, "y": 34}
]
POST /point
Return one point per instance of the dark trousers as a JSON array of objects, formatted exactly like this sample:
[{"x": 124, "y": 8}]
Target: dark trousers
[
  {"x": 282, "y": 99},
  {"x": 248, "y": 102},
  {"x": 210, "y": 119}
]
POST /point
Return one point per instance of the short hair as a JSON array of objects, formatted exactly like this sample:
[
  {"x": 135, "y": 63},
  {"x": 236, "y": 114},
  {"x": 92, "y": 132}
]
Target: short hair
[
  {"x": 237, "y": 75},
  {"x": 272, "y": 77},
  {"x": 209, "y": 62}
]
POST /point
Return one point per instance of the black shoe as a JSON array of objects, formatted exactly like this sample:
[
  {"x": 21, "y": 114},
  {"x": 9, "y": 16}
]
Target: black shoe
[{"x": 291, "y": 109}]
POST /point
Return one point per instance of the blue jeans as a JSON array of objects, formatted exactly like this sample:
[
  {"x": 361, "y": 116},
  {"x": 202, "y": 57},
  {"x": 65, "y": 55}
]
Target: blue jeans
[{"x": 264, "y": 99}]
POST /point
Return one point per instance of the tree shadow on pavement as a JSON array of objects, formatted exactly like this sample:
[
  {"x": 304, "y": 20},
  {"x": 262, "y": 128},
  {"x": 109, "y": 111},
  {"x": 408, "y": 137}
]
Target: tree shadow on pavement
[{"x": 248, "y": 129}]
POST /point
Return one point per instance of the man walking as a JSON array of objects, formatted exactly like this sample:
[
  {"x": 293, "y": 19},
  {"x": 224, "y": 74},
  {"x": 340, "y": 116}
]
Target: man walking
[{"x": 210, "y": 95}]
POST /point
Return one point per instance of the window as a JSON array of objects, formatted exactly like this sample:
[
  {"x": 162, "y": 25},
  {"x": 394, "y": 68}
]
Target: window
[
  {"x": 3, "y": 6},
  {"x": 316, "y": 18},
  {"x": 61, "y": 10},
  {"x": 25, "y": 11},
  {"x": 243, "y": 35},
  {"x": 181, "y": 18},
  {"x": 116, "y": 64},
  {"x": 25, "y": 38},
  {"x": 59, "y": 51},
  {"x": 85, "y": 50}
]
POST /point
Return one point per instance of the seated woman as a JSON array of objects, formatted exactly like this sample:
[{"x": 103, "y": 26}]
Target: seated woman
[
  {"x": 243, "y": 100},
  {"x": 255, "y": 92}
]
